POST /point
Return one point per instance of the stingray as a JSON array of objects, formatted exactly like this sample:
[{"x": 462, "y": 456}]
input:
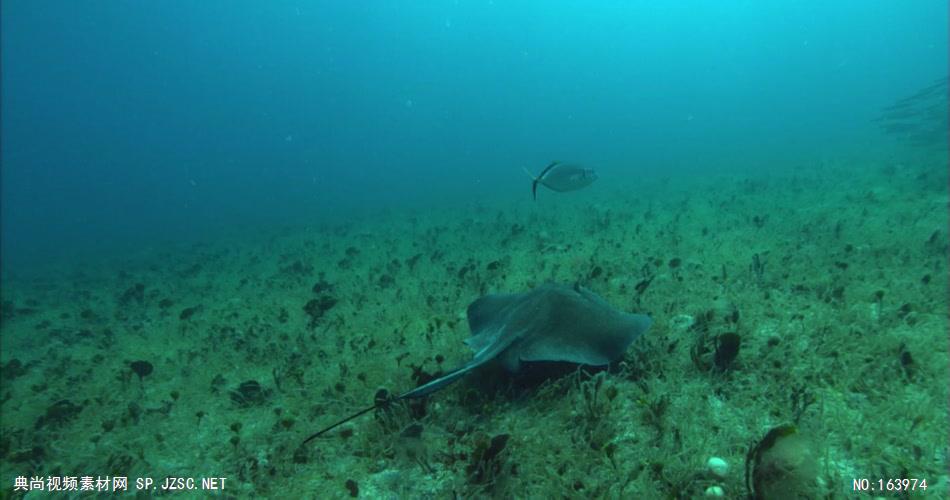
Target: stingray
[
  {"x": 549, "y": 323},
  {"x": 562, "y": 177}
]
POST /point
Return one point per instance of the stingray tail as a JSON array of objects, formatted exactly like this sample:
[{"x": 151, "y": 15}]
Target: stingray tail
[
  {"x": 444, "y": 380},
  {"x": 418, "y": 392}
]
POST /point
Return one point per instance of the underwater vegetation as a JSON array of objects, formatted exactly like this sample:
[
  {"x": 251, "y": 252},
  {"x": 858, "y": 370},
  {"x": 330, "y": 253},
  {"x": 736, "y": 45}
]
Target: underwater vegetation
[{"x": 798, "y": 338}]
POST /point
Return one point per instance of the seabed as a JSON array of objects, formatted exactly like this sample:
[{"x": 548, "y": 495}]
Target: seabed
[{"x": 815, "y": 297}]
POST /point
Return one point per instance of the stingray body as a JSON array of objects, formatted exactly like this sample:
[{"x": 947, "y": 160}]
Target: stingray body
[
  {"x": 549, "y": 323},
  {"x": 562, "y": 177}
]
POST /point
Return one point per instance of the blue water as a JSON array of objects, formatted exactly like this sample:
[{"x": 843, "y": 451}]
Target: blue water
[{"x": 137, "y": 123}]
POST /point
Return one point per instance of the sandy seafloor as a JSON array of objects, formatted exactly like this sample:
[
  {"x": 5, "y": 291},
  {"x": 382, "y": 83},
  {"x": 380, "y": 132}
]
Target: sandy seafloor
[{"x": 841, "y": 319}]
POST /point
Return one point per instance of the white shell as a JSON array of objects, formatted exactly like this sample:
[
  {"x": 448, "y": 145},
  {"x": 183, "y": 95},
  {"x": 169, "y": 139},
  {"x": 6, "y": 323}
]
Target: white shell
[
  {"x": 714, "y": 492},
  {"x": 717, "y": 467}
]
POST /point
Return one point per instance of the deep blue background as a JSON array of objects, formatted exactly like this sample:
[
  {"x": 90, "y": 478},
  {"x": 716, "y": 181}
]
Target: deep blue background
[{"x": 130, "y": 123}]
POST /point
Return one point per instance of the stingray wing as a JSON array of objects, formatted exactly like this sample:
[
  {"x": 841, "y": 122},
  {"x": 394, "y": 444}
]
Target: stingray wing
[
  {"x": 573, "y": 324},
  {"x": 549, "y": 323},
  {"x": 488, "y": 321},
  {"x": 499, "y": 323}
]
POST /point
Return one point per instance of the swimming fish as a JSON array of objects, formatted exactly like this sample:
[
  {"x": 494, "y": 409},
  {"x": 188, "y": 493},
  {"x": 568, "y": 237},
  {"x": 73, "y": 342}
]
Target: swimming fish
[{"x": 562, "y": 177}]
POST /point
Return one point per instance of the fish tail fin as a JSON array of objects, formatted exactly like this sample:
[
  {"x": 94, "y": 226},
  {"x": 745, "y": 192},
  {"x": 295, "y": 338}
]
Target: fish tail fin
[
  {"x": 534, "y": 184},
  {"x": 534, "y": 187}
]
